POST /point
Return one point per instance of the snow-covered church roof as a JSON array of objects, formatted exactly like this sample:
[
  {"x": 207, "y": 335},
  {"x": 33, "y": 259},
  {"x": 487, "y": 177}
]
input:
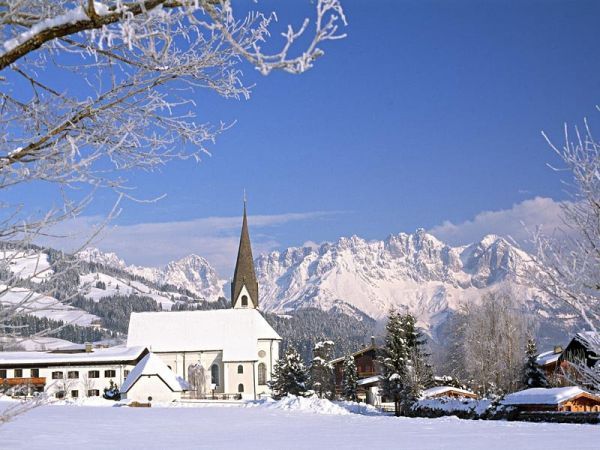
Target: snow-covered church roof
[
  {"x": 152, "y": 365},
  {"x": 233, "y": 331}
]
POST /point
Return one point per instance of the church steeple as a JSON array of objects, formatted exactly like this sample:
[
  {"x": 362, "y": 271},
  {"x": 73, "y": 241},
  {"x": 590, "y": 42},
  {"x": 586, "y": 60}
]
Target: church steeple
[{"x": 244, "y": 287}]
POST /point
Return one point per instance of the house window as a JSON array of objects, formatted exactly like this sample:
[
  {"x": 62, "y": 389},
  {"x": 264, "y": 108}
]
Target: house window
[
  {"x": 94, "y": 374},
  {"x": 214, "y": 374},
  {"x": 2, "y": 373},
  {"x": 240, "y": 369},
  {"x": 240, "y": 388},
  {"x": 57, "y": 375},
  {"x": 262, "y": 374},
  {"x": 60, "y": 394},
  {"x": 73, "y": 374},
  {"x": 110, "y": 374},
  {"x": 74, "y": 393},
  {"x": 244, "y": 300},
  {"x": 18, "y": 373},
  {"x": 35, "y": 373},
  {"x": 125, "y": 373},
  {"x": 93, "y": 393}
]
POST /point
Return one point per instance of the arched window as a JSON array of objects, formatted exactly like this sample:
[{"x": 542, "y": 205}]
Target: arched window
[
  {"x": 240, "y": 369},
  {"x": 244, "y": 300},
  {"x": 262, "y": 374},
  {"x": 240, "y": 388},
  {"x": 214, "y": 374}
]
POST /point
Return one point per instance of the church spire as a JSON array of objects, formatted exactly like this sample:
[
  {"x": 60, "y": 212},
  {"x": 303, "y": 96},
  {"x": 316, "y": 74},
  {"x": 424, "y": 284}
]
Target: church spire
[{"x": 244, "y": 287}]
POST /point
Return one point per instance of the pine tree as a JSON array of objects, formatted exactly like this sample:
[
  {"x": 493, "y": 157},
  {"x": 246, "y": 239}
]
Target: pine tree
[
  {"x": 289, "y": 375},
  {"x": 349, "y": 379},
  {"x": 393, "y": 359},
  {"x": 533, "y": 375},
  {"x": 406, "y": 370},
  {"x": 321, "y": 371}
]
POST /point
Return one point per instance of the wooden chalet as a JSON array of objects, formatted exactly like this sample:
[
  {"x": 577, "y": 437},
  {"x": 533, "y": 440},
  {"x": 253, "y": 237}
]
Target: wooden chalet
[
  {"x": 448, "y": 392},
  {"x": 561, "y": 399},
  {"x": 368, "y": 372}
]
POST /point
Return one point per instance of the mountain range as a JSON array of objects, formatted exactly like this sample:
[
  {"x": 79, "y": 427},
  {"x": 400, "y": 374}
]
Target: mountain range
[{"x": 416, "y": 272}]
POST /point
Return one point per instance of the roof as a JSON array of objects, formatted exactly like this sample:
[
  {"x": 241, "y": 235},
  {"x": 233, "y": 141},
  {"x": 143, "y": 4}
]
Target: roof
[
  {"x": 104, "y": 355},
  {"x": 589, "y": 339},
  {"x": 233, "y": 331},
  {"x": 441, "y": 390},
  {"x": 244, "y": 274},
  {"x": 373, "y": 379},
  {"x": 543, "y": 396},
  {"x": 152, "y": 365},
  {"x": 543, "y": 359},
  {"x": 359, "y": 352}
]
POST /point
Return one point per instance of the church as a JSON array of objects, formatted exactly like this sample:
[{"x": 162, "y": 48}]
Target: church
[{"x": 223, "y": 353}]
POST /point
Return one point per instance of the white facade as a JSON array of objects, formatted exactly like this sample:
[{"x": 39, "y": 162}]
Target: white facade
[
  {"x": 68, "y": 375},
  {"x": 230, "y": 351}
]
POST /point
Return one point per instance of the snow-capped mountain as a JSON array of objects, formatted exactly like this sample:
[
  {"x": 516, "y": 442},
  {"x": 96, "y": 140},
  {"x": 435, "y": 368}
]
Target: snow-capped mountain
[
  {"x": 192, "y": 272},
  {"x": 416, "y": 271}
]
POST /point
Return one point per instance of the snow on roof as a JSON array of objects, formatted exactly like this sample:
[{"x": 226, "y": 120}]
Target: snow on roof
[
  {"x": 153, "y": 365},
  {"x": 369, "y": 380},
  {"x": 547, "y": 358},
  {"x": 440, "y": 390},
  {"x": 543, "y": 396},
  {"x": 589, "y": 339},
  {"x": 113, "y": 354},
  {"x": 234, "y": 331}
]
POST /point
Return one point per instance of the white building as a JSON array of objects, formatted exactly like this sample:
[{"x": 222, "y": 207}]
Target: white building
[
  {"x": 66, "y": 374},
  {"x": 151, "y": 380}
]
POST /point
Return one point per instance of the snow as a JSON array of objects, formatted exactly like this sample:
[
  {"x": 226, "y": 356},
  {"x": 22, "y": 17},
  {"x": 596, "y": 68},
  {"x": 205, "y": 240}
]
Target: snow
[
  {"x": 45, "y": 306},
  {"x": 34, "y": 266},
  {"x": 311, "y": 404},
  {"x": 113, "y": 354},
  {"x": 38, "y": 343},
  {"x": 71, "y": 16},
  {"x": 235, "y": 331},
  {"x": 369, "y": 380},
  {"x": 453, "y": 405},
  {"x": 547, "y": 358},
  {"x": 125, "y": 287},
  {"x": 90, "y": 427},
  {"x": 542, "y": 396},
  {"x": 439, "y": 390},
  {"x": 153, "y": 365}
]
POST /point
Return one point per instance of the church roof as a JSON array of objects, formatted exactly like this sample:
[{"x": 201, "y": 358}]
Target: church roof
[
  {"x": 235, "y": 332},
  {"x": 244, "y": 273},
  {"x": 153, "y": 365}
]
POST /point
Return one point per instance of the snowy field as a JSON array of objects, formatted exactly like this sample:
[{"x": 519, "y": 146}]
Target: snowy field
[{"x": 272, "y": 427}]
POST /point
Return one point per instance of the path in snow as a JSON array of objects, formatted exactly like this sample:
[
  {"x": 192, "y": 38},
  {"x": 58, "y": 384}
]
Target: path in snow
[{"x": 88, "y": 427}]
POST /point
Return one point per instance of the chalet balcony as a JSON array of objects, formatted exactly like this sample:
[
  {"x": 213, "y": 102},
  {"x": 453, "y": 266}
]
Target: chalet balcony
[{"x": 31, "y": 381}]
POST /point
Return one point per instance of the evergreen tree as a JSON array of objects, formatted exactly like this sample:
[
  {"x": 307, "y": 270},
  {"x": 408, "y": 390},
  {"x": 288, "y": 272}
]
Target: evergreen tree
[
  {"x": 349, "y": 379},
  {"x": 289, "y": 375},
  {"x": 406, "y": 370},
  {"x": 533, "y": 375},
  {"x": 321, "y": 371},
  {"x": 393, "y": 359}
]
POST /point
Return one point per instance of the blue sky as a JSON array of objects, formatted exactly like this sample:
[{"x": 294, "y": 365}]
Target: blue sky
[{"x": 429, "y": 112}]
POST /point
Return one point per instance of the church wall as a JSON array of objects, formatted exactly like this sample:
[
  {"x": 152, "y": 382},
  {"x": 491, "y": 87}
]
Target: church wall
[
  {"x": 269, "y": 358},
  {"x": 238, "y": 301},
  {"x": 179, "y": 362},
  {"x": 234, "y": 378}
]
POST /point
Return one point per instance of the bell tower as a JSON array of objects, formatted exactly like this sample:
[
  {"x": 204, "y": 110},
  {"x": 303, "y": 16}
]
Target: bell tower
[{"x": 244, "y": 287}]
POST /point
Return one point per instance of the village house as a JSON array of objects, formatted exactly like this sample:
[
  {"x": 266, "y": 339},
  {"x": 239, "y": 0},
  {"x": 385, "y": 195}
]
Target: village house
[
  {"x": 448, "y": 392},
  {"x": 71, "y": 374},
  {"x": 369, "y": 372},
  {"x": 561, "y": 399}
]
